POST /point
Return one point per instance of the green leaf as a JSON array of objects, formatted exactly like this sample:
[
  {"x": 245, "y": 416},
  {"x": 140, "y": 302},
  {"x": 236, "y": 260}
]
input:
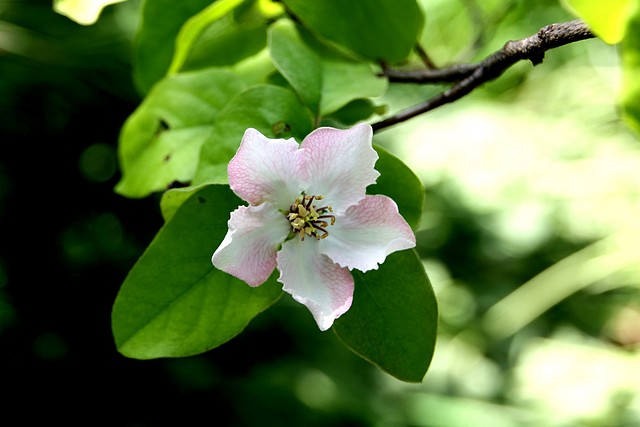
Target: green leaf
[
  {"x": 174, "y": 302},
  {"x": 195, "y": 26},
  {"x": 85, "y": 12},
  {"x": 393, "y": 320},
  {"x": 379, "y": 30},
  {"x": 398, "y": 181},
  {"x": 631, "y": 71},
  {"x": 160, "y": 23},
  {"x": 255, "y": 69},
  {"x": 172, "y": 199},
  {"x": 226, "y": 42},
  {"x": 355, "y": 111},
  {"x": 346, "y": 80},
  {"x": 160, "y": 142},
  {"x": 607, "y": 19},
  {"x": 273, "y": 110},
  {"x": 323, "y": 78},
  {"x": 297, "y": 63}
]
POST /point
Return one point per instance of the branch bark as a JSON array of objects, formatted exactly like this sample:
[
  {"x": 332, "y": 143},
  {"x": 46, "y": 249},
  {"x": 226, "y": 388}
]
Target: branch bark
[{"x": 467, "y": 77}]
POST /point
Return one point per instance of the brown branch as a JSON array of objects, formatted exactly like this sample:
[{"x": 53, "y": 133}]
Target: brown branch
[
  {"x": 450, "y": 74},
  {"x": 468, "y": 77}
]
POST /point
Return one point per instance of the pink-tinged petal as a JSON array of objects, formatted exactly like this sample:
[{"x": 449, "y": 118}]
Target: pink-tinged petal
[
  {"x": 313, "y": 280},
  {"x": 340, "y": 164},
  {"x": 266, "y": 170},
  {"x": 366, "y": 233},
  {"x": 248, "y": 251}
]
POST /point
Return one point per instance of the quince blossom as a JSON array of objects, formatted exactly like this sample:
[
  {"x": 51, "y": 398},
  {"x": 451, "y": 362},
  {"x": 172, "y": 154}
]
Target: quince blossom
[{"x": 309, "y": 217}]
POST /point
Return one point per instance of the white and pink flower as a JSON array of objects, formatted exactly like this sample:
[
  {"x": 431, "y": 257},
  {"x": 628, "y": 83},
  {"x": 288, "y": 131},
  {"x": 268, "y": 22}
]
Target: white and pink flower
[{"x": 309, "y": 216}]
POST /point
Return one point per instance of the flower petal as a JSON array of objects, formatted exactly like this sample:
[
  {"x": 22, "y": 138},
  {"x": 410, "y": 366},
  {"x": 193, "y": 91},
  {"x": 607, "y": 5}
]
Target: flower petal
[
  {"x": 248, "y": 251},
  {"x": 313, "y": 280},
  {"x": 339, "y": 164},
  {"x": 366, "y": 233},
  {"x": 266, "y": 169}
]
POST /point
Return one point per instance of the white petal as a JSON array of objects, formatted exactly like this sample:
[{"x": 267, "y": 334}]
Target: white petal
[
  {"x": 340, "y": 164},
  {"x": 266, "y": 169},
  {"x": 248, "y": 251},
  {"x": 366, "y": 233},
  {"x": 84, "y": 12},
  {"x": 313, "y": 280}
]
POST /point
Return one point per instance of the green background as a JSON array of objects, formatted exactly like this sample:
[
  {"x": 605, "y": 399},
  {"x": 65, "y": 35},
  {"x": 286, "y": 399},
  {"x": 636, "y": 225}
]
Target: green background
[{"x": 537, "y": 172}]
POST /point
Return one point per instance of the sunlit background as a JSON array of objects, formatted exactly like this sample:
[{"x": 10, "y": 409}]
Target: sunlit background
[{"x": 530, "y": 237}]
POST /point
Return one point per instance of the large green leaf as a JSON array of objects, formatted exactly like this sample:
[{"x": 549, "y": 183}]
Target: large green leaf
[
  {"x": 160, "y": 142},
  {"x": 174, "y": 198},
  {"x": 195, "y": 26},
  {"x": 299, "y": 65},
  {"x": 347, "y": 80},
  {"x": 160, "y": 23},
  {"x": 393, "y": 320},
  {"x": 379, "y": 30},
  {"x": 273, "y": 110},
  {"x": 631, "y": 70},
  {"x": 398, "y": 181},
  {"x": 353, "y": 112},
  {"x": 323, "y": 78},
  {"x": 607, "y": 19},
  {"x": 225, "y": 42},
  {"x": 174, "y": 302}
]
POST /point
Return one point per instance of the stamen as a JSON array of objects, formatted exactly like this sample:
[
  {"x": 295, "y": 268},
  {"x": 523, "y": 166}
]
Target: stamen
[
  {"x": 326, "y": 233},
  {"x": 307, "y": 219},
  {"x": 310, "y": 201},
  {"x": 333, "y": 218}
]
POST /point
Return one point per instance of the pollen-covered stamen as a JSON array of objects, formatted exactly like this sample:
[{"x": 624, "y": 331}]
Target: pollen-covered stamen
[{"x": 308, "y": 219}]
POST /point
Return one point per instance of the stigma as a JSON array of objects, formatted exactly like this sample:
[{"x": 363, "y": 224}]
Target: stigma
[{"x": 309, "y": 220}]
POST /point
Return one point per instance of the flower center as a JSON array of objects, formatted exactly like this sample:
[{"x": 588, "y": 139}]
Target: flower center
[{"x": 308, "y": 219}]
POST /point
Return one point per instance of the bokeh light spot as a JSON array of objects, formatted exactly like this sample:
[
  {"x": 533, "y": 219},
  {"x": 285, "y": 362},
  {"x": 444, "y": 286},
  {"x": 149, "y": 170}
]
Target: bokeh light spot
[{"x": 98, "y": 162}]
